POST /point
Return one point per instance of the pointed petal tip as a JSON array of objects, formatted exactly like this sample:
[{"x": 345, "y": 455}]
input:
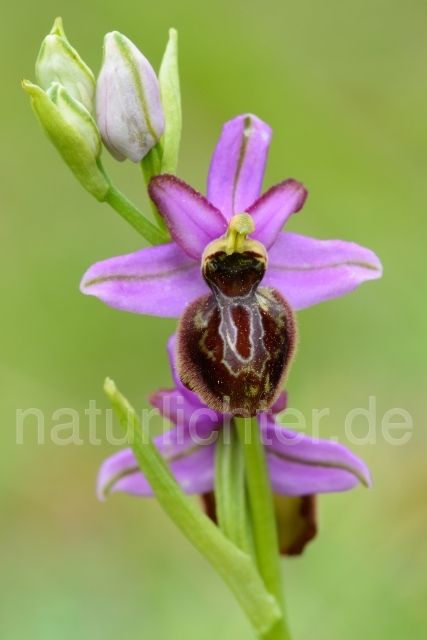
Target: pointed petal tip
[
  {"x": 104, "y": 481},
  {"x": 301, "y": 193},
  {"x": 238, "y": 163},
  {"x": 102, "y": 494},
  {"x": 30, "y": 88},
  {"x": 158, "y": 281},
  {"x": 121, "y": 472},
  {"x": 272, "y": 210},
  {"x": 365, "y": 476},
  {"x": 377, "y": 266},
  {"x": 371, "y": 266},
  {"x": 301, "y": 465},
  {"x": 85, "y": 284},
  {"x": 156, "y": 399},
  {"x": 192, "y": 220},
  {"x": 248, "y": 119},
  {"x": 309, "y": 271}
]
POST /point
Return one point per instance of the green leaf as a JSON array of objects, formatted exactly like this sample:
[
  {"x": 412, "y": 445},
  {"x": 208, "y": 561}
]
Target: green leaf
[{"x": 235, "y": 567}]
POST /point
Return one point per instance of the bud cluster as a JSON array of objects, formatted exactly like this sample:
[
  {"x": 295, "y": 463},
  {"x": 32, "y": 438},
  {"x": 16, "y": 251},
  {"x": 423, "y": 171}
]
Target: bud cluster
[{"x": 123, "y": 109}]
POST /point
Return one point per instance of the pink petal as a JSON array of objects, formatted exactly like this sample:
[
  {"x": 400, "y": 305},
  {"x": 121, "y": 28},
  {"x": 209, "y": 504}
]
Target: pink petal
[
  {"x": 273, "y": 209},
  {"x": 193, "y": 222},
  {"x": 308, "y": 271},
  {"x": 159, "y": 281},
  {"x": 172, "y": 404},
  {"x": 238, "y": 164},
  {"x": 300, "y": 465},
  {"x": 190, "y": 458}
]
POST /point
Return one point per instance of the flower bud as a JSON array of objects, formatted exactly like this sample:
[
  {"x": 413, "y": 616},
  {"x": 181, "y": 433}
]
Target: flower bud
[
  {"x": 72, "y": 130},
  {"x": 128, "y": 106},
  {"x": 77, "y": 116},
  {"x": 59, "y": 62}
]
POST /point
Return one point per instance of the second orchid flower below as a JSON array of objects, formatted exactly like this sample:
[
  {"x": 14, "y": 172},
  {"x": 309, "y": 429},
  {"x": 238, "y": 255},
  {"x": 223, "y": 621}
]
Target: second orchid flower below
[{"x": 299, "y": 466}]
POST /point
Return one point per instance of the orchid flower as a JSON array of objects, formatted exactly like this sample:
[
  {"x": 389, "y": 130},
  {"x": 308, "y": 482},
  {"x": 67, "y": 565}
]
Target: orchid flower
[
  {"x": 163, "y": 279},
  {"x": 299, "y": 466},
  {"x": 221, "y": 264}
]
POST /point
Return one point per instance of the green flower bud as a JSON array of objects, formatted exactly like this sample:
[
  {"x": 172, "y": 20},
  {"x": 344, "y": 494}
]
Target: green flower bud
[
  {"x": 59, "y": 62},
  {"x": 72, "y": 130},
  {"x": 77, "y": 116}
]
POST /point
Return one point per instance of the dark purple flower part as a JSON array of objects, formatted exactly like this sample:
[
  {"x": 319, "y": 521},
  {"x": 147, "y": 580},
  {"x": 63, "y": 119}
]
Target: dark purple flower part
[
  {"x": 162, "y": 280},
  {"x": 236, "y": 344},
  {"x": 298, "y": 465}
]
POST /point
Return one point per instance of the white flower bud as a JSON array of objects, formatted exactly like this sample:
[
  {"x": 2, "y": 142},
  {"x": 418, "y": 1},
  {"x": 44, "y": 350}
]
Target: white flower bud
[{"x": 128, "y": 106}]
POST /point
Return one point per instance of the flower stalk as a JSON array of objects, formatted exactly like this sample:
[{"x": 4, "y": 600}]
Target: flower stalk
[
  {"x": 231, "y": 500},
  {"x": 235, "y": 567},
  {"x": 262, "y": 517},
  {"x": 118, "y": 201},
  {"x": 134, "y": 217}
]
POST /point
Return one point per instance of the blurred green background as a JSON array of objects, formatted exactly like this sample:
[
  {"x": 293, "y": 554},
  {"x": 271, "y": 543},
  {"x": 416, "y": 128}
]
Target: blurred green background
[{"x": 343, "y": 84}]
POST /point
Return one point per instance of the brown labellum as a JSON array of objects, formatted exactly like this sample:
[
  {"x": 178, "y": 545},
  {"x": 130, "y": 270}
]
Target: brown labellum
[
  {"x": 296, "y": 518},
  {"x": 235, "y": 344}
]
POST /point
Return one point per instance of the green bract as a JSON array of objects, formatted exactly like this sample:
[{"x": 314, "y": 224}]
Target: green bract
[
  {"x": 71, "y": 128},
  {"x": 59, "y": 62},
  {"x": 163, "y": 157},
  {"x": 171, "y": 101}
]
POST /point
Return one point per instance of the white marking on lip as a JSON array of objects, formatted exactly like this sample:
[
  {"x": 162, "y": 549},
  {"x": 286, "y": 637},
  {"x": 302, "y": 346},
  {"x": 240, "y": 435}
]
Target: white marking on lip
[{"x": 229, "y": 332}]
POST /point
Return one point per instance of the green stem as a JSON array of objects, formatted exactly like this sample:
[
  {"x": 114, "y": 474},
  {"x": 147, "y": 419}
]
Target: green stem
[
  {"x": 230, "y": 491},
  {"x": 151, "y": 165},
  {"x": 263, "y": 517},
  {"x": 132, "y": 214},
  {"x": 235, "y": 567}
]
